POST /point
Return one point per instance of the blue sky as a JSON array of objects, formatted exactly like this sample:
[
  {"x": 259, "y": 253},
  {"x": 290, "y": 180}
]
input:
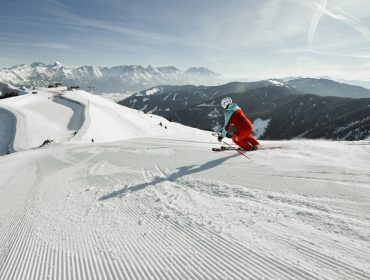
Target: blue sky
[{"x": 238, "y": 38}]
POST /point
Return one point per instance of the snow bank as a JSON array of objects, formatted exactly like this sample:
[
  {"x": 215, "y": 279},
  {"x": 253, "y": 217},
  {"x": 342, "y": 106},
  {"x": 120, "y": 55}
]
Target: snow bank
[
  {"x": 214, "y": 114},
  {"x": 259, "y": 126},
  {"x": 152, "y": 91}
]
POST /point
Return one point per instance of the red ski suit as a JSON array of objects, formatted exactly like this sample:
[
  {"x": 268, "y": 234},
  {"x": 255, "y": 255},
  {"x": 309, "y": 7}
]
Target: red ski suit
[{"x": 243, "y": 136}]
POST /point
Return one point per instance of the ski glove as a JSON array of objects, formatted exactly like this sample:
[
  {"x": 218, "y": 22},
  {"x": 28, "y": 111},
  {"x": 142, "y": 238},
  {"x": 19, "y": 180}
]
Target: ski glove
[
  {"x": 220, "y": 138},
  {"x": 229, "y": 135}
]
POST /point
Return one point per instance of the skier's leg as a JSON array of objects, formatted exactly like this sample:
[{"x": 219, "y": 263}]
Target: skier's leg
[
  {"x": 247, "y": 145},
  {"x": 239, "y": 139},
  {"x": 250, "y": 143},
  {"x": 236, "y": 138},
  {"x": 252, "y": 140},
  {"x": 247, "y": 140},
  {"x": 247, "y": 135}
]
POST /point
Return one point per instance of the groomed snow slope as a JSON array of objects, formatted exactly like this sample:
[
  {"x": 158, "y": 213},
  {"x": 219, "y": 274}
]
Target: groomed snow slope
[{"x": 166, "y": 207}]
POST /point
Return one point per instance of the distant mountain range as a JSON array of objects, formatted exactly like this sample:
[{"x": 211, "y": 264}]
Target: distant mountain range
[
  {"x": 326, "y": 87},
  {"x": 135, "y": 78},
  {"x": 360, "y": 83},
  {"x": 292, "y": 107},
  {"x": 289, "y": 112},
  {"x": 122, "y": 78}
]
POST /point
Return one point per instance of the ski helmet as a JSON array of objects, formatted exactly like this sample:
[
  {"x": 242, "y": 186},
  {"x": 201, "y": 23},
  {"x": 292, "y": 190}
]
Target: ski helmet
[{"x": 226, "y": 102}]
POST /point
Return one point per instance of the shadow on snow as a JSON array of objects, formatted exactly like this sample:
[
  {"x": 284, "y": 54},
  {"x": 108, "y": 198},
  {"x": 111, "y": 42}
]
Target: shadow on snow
[{"x": 182, "y": 171}]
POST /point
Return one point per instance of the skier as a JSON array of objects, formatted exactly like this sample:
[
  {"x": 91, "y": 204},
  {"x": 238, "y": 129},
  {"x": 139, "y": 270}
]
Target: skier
[{"x": 234, "y": 116}]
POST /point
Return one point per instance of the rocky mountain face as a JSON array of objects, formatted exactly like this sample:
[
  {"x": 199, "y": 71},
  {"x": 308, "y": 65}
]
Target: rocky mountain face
[
  {"x": 105, "y": 79},
  {"x": 290, "y": 113}
]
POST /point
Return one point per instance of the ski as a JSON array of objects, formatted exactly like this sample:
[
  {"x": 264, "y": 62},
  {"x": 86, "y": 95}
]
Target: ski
[
  {"x": 226, "y": 148},
  {"x": 231, "y": 148}
]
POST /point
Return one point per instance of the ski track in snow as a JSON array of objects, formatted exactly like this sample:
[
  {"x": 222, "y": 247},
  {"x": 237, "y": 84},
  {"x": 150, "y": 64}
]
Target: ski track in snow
[
  {"x": 7, "y": 131},
  {"x": 115, "y": 211}
]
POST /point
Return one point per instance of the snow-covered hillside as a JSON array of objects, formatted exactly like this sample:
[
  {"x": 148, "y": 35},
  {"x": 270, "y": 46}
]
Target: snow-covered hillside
[
  {"x": 105, "y": 79},
  {"x": 41, "y": 117},
  {"x": 158, "y": 204},
  {"x": 65, "y": 116}
]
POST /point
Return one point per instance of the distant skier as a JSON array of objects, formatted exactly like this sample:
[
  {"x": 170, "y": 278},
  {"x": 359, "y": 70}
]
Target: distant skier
[{"x": 243, "y": 136}]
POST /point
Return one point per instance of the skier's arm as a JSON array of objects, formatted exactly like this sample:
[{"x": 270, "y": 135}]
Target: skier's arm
[
  {"x": 225, "y": 130},
  {"x": 227, "y": 123}
]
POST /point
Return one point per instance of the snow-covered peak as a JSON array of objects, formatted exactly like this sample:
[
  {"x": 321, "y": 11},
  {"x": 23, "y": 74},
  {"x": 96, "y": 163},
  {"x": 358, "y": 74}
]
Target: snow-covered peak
[
  {"x": 18, "y": 66},
  {"x": 37, "y": 64},
  {"x": 57, "y": 64},
  {"x": 277, "y": 82},
  {"x": 168, "y": 69},
  {"x": 201, "y": 71}
]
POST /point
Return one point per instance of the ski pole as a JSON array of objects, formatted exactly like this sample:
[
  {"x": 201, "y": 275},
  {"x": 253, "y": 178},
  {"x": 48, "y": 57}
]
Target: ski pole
[{"x": 240, "y": 152}]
